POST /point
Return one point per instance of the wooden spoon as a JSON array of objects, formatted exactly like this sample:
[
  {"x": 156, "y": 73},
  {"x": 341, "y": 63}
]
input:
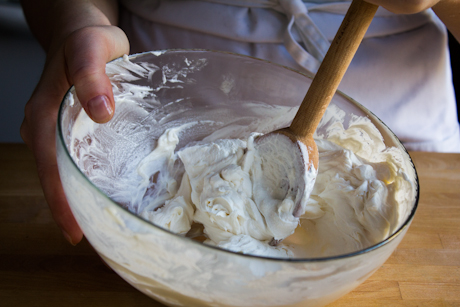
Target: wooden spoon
[{"x": 318, "y": 97}]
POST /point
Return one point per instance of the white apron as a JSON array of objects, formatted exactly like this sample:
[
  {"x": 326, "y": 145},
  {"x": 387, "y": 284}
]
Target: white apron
[{"x": 401, "y": 71}]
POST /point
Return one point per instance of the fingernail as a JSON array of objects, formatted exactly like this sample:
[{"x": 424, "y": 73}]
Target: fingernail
[
  {"x": 67, "y": 237},
  {"x": 100, "y": 108}
]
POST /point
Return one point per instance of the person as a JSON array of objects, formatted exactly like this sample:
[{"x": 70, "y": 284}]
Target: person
[{"x": 400, "y": 71}]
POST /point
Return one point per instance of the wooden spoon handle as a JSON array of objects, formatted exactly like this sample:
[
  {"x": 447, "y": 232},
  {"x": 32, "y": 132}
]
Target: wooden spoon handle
[{"x": 333, "y": 67}]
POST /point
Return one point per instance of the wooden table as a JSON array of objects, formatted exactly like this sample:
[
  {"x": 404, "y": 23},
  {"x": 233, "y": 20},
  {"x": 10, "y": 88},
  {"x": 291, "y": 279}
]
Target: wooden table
[{"x": 39, "y": 268}]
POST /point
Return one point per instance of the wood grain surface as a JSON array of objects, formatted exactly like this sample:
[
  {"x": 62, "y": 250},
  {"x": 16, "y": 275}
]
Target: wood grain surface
[{"x": 39, "y": 268}]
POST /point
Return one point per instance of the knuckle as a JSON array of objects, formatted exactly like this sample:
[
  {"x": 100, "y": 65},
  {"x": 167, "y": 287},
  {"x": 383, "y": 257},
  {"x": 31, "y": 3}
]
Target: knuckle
[
  {"x": 82, "y": 60},
  {"x": 84, "y": 72},
  {"x": 84, "y": 34}
]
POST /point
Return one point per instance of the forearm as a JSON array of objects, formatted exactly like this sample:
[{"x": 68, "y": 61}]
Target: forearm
[
  {"x": 51, "y": 21},
  {"x": 449, "y": 13}
]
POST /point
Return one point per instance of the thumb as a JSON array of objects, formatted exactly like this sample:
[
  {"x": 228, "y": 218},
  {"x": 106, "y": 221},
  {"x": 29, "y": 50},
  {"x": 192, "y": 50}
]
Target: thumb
[{"x": 86, "y": 53}]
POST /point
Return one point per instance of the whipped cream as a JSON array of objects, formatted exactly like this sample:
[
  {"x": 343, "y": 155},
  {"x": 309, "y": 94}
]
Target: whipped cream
[
  {"x": 176, "y": 270},
  {"x": 179, "y": 170},
  {"x": 362, "y": 191},
  {"x": 357, "y": 200},
  {"x": 226, "y": 187}
]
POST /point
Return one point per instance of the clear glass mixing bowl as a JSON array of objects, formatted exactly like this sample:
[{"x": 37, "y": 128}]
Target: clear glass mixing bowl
[{"x": 186, "y": 86}]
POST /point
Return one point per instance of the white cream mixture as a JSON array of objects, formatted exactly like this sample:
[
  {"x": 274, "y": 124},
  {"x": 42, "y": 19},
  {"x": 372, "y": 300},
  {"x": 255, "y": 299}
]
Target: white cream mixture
[
  {"x": 228, "y": 189},
  {"x": 355, "y": 202},
  {"x": 363, "y": 191}
]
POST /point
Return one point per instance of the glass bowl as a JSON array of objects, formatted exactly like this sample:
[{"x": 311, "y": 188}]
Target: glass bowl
[{"x": 171, "y": 88}]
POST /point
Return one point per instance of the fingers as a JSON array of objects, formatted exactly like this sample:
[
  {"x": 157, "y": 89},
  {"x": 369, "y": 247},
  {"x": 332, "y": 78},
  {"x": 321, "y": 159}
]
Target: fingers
[
  {"x": 55, "y": 196},
  {"x": 81, "y": 59},
  {"x": 38, "y": 132},
  {"x": 86, "y": 53}
]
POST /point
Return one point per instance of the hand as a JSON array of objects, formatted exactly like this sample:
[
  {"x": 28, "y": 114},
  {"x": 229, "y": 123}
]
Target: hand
[
  {"x": 80, "y": 60},
  {"x": 448, "y": 11}
]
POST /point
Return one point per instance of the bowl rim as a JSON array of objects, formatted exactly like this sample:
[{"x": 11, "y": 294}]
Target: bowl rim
[{"x": 390, "y": 238}]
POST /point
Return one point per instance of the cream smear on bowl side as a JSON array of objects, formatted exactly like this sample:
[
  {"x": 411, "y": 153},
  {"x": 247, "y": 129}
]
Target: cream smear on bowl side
[{"x": 360, "y": 197}]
